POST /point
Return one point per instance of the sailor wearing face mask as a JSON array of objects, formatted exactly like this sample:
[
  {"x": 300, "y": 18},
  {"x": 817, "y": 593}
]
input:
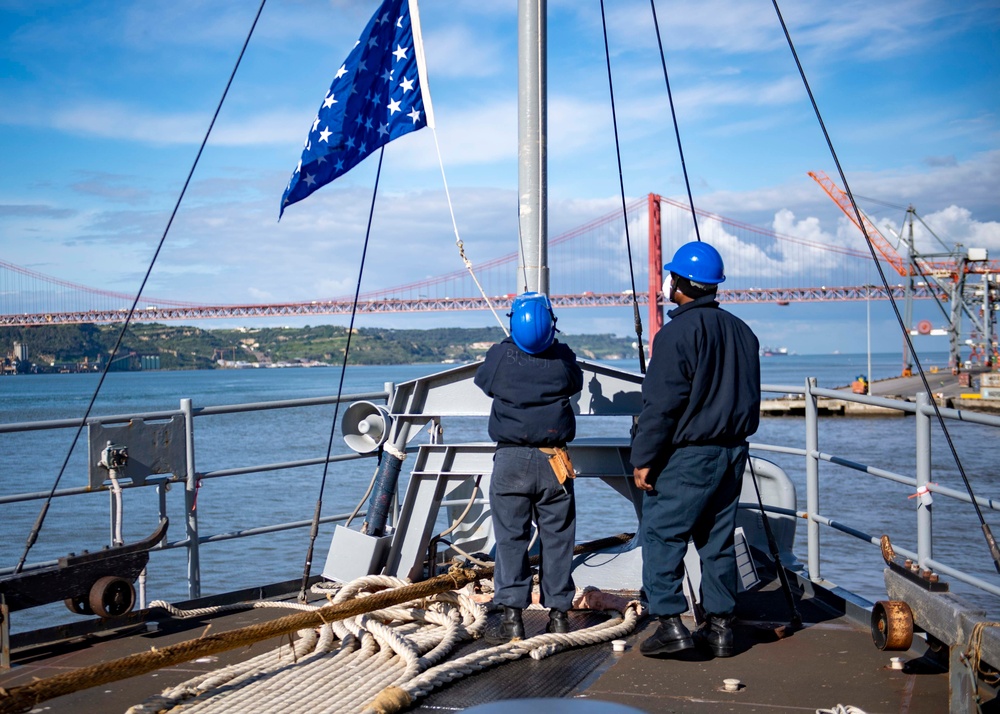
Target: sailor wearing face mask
[{"x": 701, "y": 401}]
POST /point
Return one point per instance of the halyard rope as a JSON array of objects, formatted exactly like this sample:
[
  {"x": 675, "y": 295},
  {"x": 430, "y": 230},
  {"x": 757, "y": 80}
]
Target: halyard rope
[{"x": 458, "y": 239}]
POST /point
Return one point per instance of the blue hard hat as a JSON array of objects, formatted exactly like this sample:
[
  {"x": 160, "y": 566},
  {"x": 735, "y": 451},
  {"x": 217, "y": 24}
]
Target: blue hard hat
[
  {"x": 532, "y": 324},
  {"x": 698, "y": 262}
]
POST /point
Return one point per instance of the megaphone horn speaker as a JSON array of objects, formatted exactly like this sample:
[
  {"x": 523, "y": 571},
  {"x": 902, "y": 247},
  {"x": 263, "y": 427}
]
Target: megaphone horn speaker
[{"x": 365, "y": 426}]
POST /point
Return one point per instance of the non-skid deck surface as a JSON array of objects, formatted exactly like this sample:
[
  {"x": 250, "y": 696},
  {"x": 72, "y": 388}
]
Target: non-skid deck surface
[
  {"x": 829, "y": 661},
  {"x": 559, "y": 675}
]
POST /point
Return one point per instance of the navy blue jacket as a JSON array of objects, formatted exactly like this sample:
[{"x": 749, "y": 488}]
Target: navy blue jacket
[
  {"x": 702, "y": 386},
  {"x": 531, "y": 394}
]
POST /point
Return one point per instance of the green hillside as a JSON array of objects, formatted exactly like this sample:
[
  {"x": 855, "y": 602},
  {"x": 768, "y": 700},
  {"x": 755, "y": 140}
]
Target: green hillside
[{"x": 76, "y": 347}]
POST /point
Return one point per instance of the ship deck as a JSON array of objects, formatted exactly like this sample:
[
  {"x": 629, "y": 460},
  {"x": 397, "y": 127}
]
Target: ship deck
[{"x": 829, "y": 660}]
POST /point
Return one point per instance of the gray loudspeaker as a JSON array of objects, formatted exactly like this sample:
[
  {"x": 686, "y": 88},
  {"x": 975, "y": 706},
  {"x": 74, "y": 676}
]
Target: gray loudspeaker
[{"x": 365, "y": 426}]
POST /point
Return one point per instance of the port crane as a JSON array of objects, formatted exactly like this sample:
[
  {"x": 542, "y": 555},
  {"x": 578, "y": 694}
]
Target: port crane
[{"x": 949, "y": 271}]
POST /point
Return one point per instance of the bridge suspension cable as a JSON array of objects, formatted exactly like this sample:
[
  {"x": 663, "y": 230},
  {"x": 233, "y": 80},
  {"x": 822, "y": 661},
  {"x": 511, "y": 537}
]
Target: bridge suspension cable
[{"x": 767, "y": 267}]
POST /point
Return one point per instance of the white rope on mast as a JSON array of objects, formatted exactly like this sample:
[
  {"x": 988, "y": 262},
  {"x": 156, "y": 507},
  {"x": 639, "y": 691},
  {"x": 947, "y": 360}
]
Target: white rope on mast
[
  {"x": 418, "y": 45},
  {"x": 458, "y": 238}
]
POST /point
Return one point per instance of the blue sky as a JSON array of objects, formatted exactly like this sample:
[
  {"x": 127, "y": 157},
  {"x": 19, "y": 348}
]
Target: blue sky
[{"x": 103, "y": 106}]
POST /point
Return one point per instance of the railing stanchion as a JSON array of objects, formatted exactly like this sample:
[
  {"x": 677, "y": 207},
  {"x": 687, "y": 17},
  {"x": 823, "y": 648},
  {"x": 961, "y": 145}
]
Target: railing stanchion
[
  {"x": 812, "y": 479},
  {"x": 190, "y": 501},
  {"x": 161, "y": 497},
  {"x": 924, "y": 507}
]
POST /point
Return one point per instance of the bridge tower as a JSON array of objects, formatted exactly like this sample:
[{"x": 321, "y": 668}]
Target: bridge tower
[{"x": 655, "y": 268}]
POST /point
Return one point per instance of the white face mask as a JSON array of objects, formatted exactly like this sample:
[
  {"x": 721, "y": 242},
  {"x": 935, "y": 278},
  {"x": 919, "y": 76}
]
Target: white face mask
[{"x": 668, "y": 287}]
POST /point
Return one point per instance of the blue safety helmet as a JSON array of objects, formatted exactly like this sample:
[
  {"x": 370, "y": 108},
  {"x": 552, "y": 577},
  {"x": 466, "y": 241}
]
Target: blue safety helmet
[
  {"x": 698, "y": 262},
  {"x": 532, "y": 324}
]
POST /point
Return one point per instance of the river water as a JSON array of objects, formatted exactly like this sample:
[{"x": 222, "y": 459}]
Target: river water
[{"x": 30, "y": 462}]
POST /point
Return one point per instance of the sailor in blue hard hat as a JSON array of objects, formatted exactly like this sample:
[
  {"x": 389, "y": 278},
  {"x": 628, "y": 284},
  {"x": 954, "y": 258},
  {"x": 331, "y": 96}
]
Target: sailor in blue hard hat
[
  {"x": 532, "y": 322},
  {"x": 699, "y": 266},
  {"x": 532, "y": 378},
  {"x": 700, "y": 403}
]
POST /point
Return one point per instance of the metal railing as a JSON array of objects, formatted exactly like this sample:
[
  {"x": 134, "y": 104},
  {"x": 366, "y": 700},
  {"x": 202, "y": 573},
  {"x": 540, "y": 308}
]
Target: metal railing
[
  {"x": 189, "y": 475},
  {"x": 812, "y": 454},
  {"x": 919, "y": 483}
]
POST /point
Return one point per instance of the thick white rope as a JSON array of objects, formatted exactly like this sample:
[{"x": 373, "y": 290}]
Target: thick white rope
[
  {"x": 401, "y": 455},
  {"x": 116, "y": 494},
  {"x": 345, "y": 665},
  {"x": 215, "y": 609},
  {"x": 537, "y": 648},
  {"x": 841, "y": 709},
  {"x": 974, "y": 654}
]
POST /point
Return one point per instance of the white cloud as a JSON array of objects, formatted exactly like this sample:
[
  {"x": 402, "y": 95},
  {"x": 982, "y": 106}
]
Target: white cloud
[
  {"x": 959, "y": 227},
  {"x": 149, "y": 84}
]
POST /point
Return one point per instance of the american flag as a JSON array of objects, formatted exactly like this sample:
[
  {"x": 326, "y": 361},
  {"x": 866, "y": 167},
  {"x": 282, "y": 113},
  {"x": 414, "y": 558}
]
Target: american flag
[{"x": 376, "y": 96}]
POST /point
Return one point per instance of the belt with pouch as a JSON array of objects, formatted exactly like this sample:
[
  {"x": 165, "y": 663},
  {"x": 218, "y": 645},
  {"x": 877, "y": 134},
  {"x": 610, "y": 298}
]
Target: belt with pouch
[{"x": 560, "y": 462}]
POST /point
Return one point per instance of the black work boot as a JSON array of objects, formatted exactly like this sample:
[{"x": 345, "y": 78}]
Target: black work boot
[
  {"x": 513, "y": 625},
  {"x": 671, "y": 636},
  {"x": 716, "y": 634},
  {"x": 558, "y": 622}
]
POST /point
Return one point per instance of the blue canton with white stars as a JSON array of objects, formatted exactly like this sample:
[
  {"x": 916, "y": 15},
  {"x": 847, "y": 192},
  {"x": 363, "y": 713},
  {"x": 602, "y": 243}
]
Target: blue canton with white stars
[{"x": 375, "y": 98}]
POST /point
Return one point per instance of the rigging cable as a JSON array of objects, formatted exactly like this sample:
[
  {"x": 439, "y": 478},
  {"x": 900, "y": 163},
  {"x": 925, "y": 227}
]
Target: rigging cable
[
  {"x": 793, "y": 612},
  {"x": 879, "y": 202},
  {"x": 673, "y": 116},
  {"x": 621, "y": 184},
  {"x": 987, "y": 533},
  {"x": 314, "y": 528},
  {"x": 930, "y": 281},
  {"x": 33, "y": 536}
]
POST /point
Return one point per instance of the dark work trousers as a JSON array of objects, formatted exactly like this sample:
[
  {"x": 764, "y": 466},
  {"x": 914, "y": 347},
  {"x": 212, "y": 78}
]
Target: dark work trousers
[
  {"x": 695, "y": 496},
  {"x": 524, "y": 488}
]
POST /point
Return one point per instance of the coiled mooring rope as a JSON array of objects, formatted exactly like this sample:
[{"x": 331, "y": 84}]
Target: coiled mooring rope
[
  {"x": 395, "y": 699},
  {"x": 24, "y": 697},
  {"x": 340, "y": 666},
  {"x": 974, "y": 654},
  {"x": 376, "y": 663}
]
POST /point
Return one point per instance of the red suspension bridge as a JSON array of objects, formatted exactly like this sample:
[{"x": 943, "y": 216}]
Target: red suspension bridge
[{"x": 589, "y": 268}]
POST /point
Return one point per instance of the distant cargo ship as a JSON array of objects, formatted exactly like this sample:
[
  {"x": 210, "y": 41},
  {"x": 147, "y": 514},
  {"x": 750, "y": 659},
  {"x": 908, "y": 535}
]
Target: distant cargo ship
[{"x": 774, "y": 352}]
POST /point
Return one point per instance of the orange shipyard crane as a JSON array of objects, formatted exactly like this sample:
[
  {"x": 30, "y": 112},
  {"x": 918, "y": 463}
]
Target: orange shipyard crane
[{"x": 950, "y": 273}]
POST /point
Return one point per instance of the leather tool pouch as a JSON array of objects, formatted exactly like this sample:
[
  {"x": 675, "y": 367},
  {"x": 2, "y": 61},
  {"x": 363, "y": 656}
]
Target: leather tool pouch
[{"x": 560, "y": 463}]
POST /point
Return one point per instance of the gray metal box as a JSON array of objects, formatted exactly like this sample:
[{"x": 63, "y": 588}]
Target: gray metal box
[
  {"x": 154, "y": 448},
  {"x": 353, "y": 555}
]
